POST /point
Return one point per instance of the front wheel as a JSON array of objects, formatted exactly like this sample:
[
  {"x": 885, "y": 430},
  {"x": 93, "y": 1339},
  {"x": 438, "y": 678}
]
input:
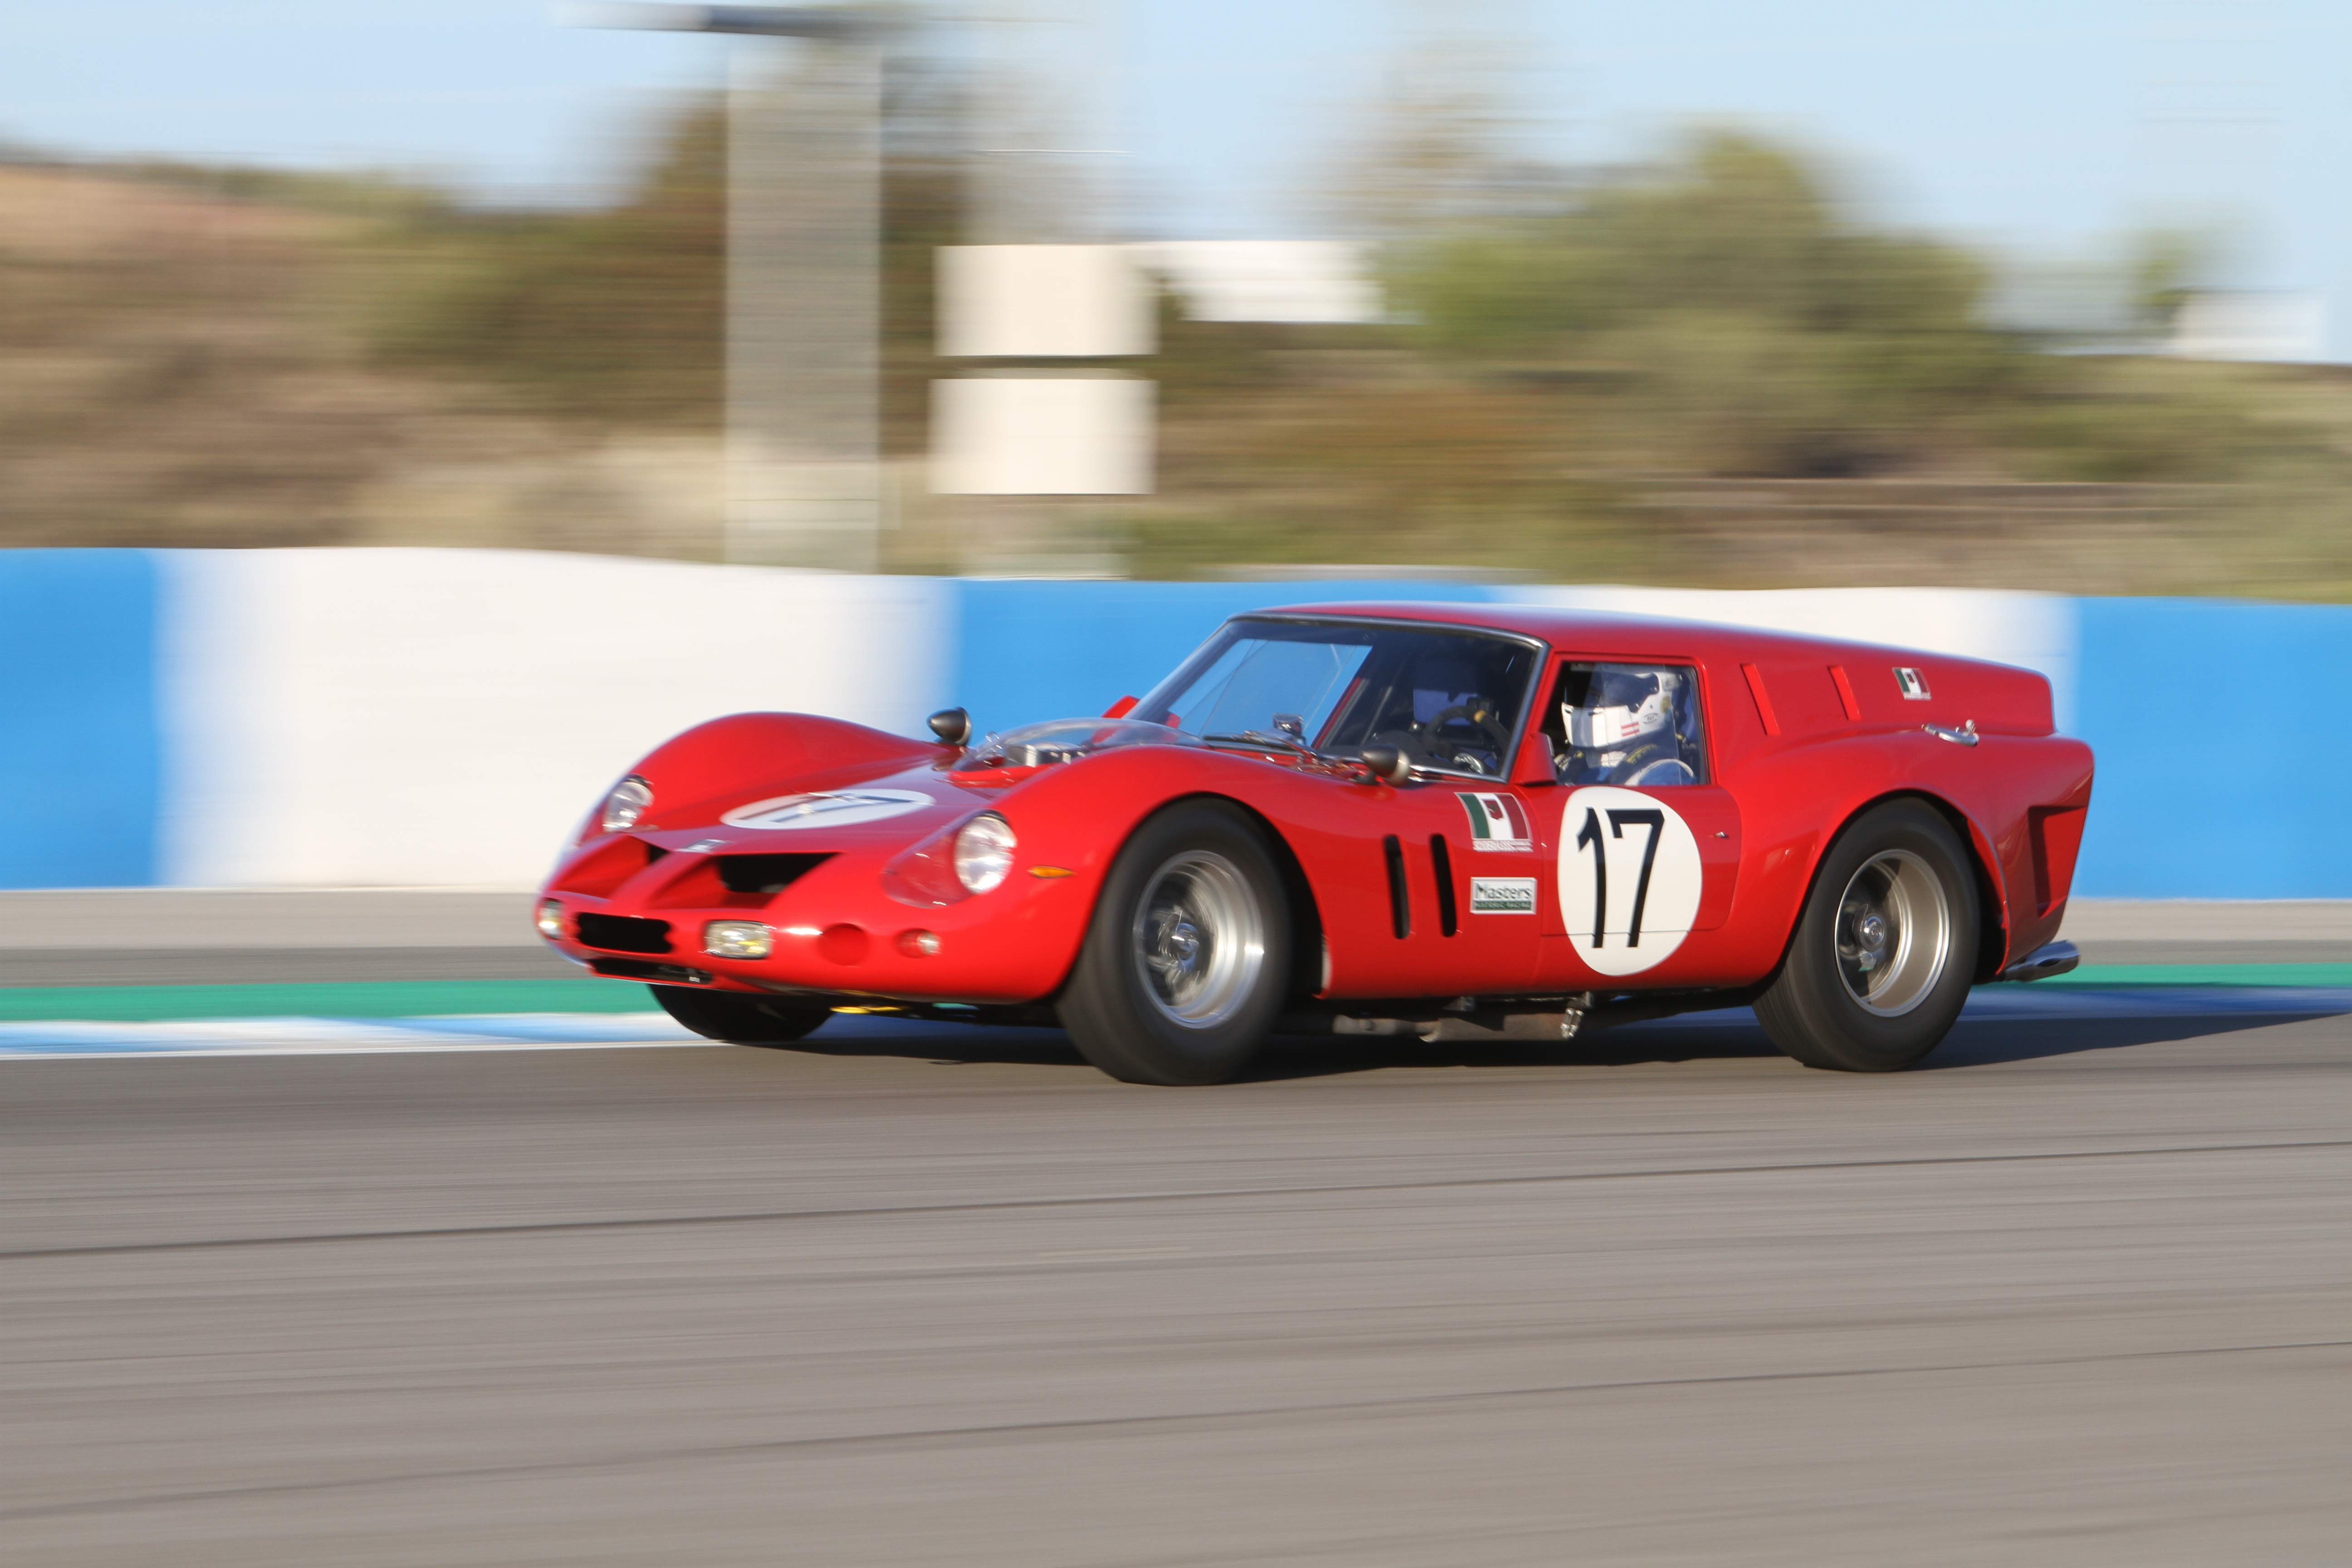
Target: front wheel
[
  {"x": 1188, "y": 953},
  {"x": 1885, "y": 949},
  {"x": 739, "y": 1019}
]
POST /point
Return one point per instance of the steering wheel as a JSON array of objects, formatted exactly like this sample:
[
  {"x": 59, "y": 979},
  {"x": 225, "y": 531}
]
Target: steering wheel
[{"x": 1473, "y": 714}]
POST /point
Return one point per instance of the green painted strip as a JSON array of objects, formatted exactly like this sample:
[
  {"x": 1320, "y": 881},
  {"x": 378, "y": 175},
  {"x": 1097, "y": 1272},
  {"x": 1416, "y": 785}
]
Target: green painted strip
[
  {"x": 2206, "y": 974},
  {"x": 333, "y": 999},
  {"x": 427, "y": 998}
]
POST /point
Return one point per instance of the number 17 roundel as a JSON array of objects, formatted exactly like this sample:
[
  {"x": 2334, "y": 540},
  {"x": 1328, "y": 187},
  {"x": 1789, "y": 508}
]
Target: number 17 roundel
[{"x": 1629, "y": 879}]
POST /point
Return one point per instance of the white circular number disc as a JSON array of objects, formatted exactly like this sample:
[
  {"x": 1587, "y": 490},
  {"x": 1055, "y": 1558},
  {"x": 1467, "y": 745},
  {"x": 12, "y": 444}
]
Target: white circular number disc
[
  {"x": 1629, "y": 877},
  {"x": 827, "y": 808}
]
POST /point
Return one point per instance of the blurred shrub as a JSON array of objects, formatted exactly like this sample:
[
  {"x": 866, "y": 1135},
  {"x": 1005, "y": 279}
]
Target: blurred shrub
[
  {"x": 614, "y": 313},
  {"x": 1724, "y": 314},
  {"x": 618, "y": 315},
  {"x": 1725, "y": 303}
]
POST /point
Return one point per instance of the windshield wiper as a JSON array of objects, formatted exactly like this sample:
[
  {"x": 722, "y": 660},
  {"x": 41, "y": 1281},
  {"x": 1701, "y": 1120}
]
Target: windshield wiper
[{"x": 1260, "y": 739}]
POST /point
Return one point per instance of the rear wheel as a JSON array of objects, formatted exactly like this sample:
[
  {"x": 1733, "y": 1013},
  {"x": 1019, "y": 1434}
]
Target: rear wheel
[
  {"x": 1885, "y": 950},
  {"x": 1186, "y": 956},
  {"x": 739, "y": 1019}
]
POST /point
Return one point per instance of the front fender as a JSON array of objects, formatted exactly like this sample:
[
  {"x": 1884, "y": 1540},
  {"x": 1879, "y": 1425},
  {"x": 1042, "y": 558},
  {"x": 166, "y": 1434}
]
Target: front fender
[{"x": 696, "y": 772}]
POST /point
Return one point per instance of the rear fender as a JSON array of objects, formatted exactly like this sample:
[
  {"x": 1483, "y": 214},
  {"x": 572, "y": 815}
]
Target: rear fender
[{"x": 1992, "y": 917}]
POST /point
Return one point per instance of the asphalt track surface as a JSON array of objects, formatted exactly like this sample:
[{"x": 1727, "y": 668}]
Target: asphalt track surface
[
  {"x": 2078, "y": 1293},
  {"x": 148, "y": 936}
]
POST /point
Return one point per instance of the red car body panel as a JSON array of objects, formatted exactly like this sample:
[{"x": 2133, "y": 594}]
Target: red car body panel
[{"x": 1802, "y": 733}]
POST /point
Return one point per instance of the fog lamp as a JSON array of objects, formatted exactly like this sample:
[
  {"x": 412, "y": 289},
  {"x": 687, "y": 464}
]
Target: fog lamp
[
  {"x": 550, "y": 919},
  {"x": 919, "y": 943},
  {"x": 735, "y": 938}
]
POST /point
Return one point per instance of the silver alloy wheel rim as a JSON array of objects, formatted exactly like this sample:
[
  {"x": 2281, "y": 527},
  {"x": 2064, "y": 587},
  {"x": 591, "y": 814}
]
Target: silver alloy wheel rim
[
  {"x": 1893, "y": 932},
  {"x": 1199, "y": 939}
]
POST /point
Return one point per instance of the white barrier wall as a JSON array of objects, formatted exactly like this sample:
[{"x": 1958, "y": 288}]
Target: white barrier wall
[
  {"x": 445, "y": 717},
  {"x": 325, "y": 718}
]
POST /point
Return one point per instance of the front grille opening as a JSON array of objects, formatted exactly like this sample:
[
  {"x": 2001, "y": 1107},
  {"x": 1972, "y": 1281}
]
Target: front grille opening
[
  {"x": 621, "y": 934},
  {"x": 643, "y": 969},
  {"x": 765, "y": 874},
  {"x": 600, "y": 872}
]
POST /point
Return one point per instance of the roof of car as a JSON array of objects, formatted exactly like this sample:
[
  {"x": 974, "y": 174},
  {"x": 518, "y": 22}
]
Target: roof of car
[{"x": 1598, "y": 631}]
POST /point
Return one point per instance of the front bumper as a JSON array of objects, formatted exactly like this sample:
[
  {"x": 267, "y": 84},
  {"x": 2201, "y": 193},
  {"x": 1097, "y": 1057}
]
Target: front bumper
[{"x": 833, "y": 932}]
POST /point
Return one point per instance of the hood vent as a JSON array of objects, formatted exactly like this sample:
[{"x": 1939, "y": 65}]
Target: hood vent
[{"x": 764, "y": 874}]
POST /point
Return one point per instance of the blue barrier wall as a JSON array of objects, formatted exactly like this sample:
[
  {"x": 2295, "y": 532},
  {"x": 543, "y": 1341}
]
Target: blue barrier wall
[
  {"x": 2224, "y": 737},
  {"x": 2223, "y": 734},
  {"x": 79, "y": 756}
]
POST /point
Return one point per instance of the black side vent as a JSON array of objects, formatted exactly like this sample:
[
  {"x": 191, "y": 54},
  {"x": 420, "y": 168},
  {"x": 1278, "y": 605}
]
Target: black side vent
[
  {"x": 621, "y": 934},
  {"x": 1400, "y": 901},
  {"x": 653, "y": 852},
  {"x": 765, "y": 873},
  {"x": 1441, "y": 860}
]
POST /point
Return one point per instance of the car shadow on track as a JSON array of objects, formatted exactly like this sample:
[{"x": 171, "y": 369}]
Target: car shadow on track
[
  {"x": 1735, "y": 1036},
  {"x": 1991, "y": 1042},
  {"x": 1729, "y": 1036}
]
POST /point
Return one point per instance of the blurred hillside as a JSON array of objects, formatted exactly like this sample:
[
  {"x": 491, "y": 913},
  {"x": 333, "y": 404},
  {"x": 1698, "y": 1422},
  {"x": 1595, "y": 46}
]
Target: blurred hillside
[{"x": 1707, "y": 371}]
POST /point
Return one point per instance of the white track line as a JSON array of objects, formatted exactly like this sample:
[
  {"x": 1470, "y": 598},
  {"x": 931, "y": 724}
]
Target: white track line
[
  {"x": 344, "y": 1036},
  {"x": 602, "y": 1031}
]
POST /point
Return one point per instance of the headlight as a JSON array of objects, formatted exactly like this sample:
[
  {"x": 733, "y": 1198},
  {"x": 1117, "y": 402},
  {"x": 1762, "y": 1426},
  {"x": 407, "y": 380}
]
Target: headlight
[
  {"x": 735, "y": 938},
  {"x": 625, "y": 804},
  {"x": 984, "y": 853},
  {"x": 550, "y": 919}
]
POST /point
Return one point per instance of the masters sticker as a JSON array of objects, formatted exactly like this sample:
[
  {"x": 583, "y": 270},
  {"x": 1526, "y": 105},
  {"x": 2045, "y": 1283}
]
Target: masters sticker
[
  {"x": 1502, "y": 895},
  {"x": 1498, "y": 822},
  {"x": 827, "y": 808}
]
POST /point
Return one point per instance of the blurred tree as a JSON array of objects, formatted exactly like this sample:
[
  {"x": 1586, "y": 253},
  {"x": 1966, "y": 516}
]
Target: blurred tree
[
  {"x": 614, "y": 314},
  {"x": 618, "y": 315},
  {"x": 2165, "y": 267},
  {"x": 1725, "y": 300}
]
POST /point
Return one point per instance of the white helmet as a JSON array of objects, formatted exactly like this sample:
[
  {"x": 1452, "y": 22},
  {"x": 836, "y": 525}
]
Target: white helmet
[{"x": 1625, "y": 705}]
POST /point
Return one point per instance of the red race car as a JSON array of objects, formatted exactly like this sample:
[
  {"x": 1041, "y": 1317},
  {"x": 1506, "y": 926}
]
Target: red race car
[{"x": 1492, "y": 823}]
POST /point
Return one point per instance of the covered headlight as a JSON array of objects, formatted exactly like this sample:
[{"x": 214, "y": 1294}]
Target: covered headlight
[
  {"x": 625, "y": 805},
  {"x": 983, "y": 852}
]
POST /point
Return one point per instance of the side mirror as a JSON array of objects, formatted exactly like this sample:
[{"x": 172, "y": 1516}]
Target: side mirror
[
  {"x": 1386, "y": 765},
  {"x": 951, "y": 725}
]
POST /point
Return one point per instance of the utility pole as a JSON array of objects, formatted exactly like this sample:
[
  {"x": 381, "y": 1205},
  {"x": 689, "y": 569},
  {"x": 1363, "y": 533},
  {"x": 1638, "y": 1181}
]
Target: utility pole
[{"x": 803, "y": 264}]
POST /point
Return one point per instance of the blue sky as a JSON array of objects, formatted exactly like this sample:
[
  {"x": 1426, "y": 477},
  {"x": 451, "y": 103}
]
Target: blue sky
[{"x": 2039, "y": 128}]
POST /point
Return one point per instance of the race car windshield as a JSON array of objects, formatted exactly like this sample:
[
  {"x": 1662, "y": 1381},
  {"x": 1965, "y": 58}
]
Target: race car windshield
[
  {"x": 1065, "y": 739},
  {"x": 1446, "y": 699}
]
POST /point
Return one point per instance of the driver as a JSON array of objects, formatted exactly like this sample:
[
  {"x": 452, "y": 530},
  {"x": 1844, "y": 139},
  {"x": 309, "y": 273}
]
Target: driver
[
  {"x": 1625, "y": 732},
  {"x": 1462, "y": 728}
]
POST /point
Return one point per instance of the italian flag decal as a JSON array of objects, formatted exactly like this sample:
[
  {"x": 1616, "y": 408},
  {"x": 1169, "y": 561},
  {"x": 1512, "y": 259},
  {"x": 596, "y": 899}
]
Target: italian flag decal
[{"x": 1498, "y": 822}]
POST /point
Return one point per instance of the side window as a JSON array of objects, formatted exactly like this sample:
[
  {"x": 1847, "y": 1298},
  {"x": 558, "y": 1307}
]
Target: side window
[{"x": 1633, "y": 724}]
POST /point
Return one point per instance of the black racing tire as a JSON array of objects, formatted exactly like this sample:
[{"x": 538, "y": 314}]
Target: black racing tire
[
  {"x": 1188, "y": 954},
  {"x": 1855, "y": 997},
  {"x": 739, "y": 1019}
]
